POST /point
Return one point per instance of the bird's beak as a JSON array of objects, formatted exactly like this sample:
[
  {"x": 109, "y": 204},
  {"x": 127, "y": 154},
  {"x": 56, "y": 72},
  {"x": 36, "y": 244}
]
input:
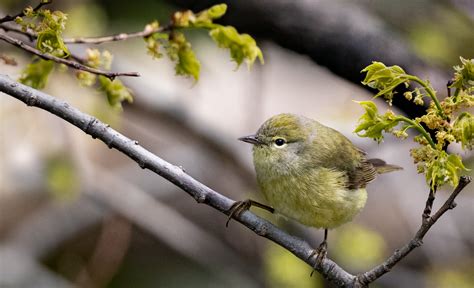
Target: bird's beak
[{"x": 252, "y": 139}]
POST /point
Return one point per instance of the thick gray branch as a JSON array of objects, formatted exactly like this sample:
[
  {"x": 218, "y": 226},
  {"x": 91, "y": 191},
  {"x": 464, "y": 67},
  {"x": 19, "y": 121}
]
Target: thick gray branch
[
  {"x": 174, "y": 174},
  {"x": 203, "y": 194}
]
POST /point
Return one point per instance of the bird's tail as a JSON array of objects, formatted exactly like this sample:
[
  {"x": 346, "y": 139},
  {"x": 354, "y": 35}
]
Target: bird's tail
[{"x": 382, "y": 167}]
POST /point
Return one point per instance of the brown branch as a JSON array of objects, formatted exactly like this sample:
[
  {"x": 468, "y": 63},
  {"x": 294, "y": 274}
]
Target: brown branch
[
  {"x": 32, "y": 35},
  {"x": 91, "y": 40},
  {"x": 9, "y": 18},
  {"x": 69, "y": 63},
  {"x": 117, "y": 37},
  {"x": 364, "y": 279},
  {"x": 429, "y": 204}
]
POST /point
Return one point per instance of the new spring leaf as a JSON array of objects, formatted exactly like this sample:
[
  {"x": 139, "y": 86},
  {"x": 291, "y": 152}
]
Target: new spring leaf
[{"x": 242, "y": 46}]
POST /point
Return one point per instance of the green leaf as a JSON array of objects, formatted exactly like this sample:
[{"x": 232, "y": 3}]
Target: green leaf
[
  {"x": 85, "y": 78},
  {"x": 36, "y": 74},
  {"x": 51, "y": 42},
  {"x": 49, "y": 27},
  {"x": 216, "y": 11},
  {"x": 182, "y": 19},
  {"x": 383, "y": 78},
  {"x": 242, "y": 46},
  {"x": 204, "y": 19},
  {"x": 463, "y": 130},
  {"x": 443, "y": 168},
  {"x": 387, "y": 91},
  {"x": 372, "y": 125},
  {"x": 155, "y": 40},
  {"x": 179, "y": 51},
  {"x": 187, "y": 63},
  {"x": 464, "y": 75},
  {"x": 115, "y": 90}
]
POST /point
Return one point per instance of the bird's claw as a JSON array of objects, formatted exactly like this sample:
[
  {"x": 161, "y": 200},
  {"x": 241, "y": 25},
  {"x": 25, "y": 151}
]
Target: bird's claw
[
  {"x": 236, "y": 209},
  {"x": 321, "y": 253}
]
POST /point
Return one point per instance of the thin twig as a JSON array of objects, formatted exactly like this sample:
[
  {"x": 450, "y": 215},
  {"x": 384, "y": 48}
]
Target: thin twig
[
  {"x": 117, "y": 37},
  {"x": 147, "y": 160},
  {"x": 91, "y": 40},
  {"x": 72, "y": 64},
  {"x": 32, "y": 35},
  {"x": 22, "y": 13},
  {"x": 368, "y": 277},
  {"x": 429, "y": 204}
]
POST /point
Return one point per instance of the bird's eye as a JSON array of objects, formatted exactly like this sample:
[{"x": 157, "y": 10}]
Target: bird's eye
[{"x": 280, "y": 142}]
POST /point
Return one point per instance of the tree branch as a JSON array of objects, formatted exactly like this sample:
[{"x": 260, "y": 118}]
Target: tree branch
[
  {"x": 69, "y": 63},
  {"x": 32, "y": 35},
  {"x": 117, "y": 37},
  {"x": 147, "y": 160},
  {"x": 203, "y": 194},
  {"x": 427, "y": 222},
  {"x": 91, "y": 40},
  {"x": 8, "y": 18}
]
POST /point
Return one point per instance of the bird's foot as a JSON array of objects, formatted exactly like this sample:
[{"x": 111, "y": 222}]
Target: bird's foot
[
  {"x": 240, "y": 206},
  {"x": 320, "y": 253}
]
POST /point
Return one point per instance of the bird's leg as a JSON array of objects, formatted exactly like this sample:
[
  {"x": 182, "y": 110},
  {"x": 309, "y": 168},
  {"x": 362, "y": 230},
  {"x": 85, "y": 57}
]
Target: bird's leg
[
  {"x": 321, "y": 252},
  {"x": 240, "y": 206}
]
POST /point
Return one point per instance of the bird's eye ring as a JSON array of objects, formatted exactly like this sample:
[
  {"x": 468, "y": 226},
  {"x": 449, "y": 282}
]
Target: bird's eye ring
[{"x": 280, "y": 142}]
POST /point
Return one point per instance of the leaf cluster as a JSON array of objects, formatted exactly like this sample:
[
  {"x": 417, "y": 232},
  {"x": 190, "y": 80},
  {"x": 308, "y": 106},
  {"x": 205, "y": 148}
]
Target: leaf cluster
[
  {"x": 242, "y": 46},
  {"x": 115, "y": 90},
  {"x": 446, "y": 119},
  {"x": 47, "y": 27}
]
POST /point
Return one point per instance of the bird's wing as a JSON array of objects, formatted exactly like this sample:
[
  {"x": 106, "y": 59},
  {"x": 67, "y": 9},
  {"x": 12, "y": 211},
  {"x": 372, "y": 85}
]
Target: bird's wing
[{"x": 361, "y": 175}]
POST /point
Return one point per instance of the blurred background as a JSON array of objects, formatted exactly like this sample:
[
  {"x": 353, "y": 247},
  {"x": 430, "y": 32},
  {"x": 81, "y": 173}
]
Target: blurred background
[{"x": 76, "y": 214}]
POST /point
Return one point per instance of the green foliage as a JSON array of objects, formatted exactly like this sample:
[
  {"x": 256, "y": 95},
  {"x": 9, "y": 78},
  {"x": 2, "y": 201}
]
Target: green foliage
[
  {"x": 372, "y": 124},
  {"x": 49, "y": 27},
  {"x": 115, "y": 90},
  {"x": 155, "y": 40},
  {"x": 36, "y": 74},
  {"x": 464, "y": 75},
  {"x": 439, "y": 166},
  {"x": 179, "y": 50},
  {"x": 203, "y": 19},
  {"x": 463, "y": 130},
  {"x": 242, "y": 46},
  {"x": 383, "y": 78},
  {"x": 445, "y": 118}
]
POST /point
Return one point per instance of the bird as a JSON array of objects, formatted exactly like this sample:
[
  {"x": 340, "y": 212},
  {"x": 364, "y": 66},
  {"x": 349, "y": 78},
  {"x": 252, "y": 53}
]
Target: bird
[{"x": 310, "y": 173}]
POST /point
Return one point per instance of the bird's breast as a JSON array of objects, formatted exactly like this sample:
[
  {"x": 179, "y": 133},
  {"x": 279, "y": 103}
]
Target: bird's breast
[{"x": 318, "y": 197}]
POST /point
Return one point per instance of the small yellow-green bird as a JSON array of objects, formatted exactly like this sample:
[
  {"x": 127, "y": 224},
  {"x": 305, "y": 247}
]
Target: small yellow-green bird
[{"x": 310, "y": 173}]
